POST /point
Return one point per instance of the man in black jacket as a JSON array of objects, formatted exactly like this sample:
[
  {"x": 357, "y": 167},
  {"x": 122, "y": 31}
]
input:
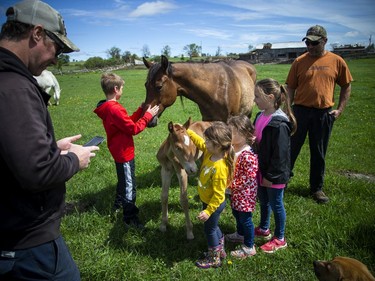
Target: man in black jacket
[{"x": 34, "y": 166}]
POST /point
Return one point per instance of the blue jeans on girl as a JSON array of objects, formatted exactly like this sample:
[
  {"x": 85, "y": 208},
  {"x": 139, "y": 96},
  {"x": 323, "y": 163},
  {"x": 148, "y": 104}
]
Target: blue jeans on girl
[{"x": 272, "y": 199}]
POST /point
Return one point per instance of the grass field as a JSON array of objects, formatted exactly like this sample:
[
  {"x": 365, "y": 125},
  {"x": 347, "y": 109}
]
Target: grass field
[{"x": 104, "y": 250}]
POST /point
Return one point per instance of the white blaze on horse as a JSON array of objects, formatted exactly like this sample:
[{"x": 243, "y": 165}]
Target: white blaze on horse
[
  {"x": 177, "y": 154},
  {"x": 220, "y": 89},
  {"x": 47, "y": 81}
]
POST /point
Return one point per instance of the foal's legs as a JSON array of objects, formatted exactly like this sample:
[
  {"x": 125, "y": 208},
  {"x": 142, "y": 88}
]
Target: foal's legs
[
  {"x": 184, "y": 201},
  {"x": 166, "y": 176}
]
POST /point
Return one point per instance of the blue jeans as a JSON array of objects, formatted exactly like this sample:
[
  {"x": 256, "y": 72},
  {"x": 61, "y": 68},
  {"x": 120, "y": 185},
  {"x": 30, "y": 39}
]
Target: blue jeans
[
  {"x": 272, "y": 199},
  {"x": 211, "y": 226},
  {"x": 49, "y": 261},
  {"x": 245, "y": 226}
]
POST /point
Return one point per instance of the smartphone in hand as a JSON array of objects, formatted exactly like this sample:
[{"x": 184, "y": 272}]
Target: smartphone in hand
[{"x": 95, "y": 141}]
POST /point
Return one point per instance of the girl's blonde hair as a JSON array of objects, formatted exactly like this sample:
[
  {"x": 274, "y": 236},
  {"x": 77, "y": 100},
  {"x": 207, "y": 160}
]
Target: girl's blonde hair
[
  {"x": 109, "y": 81},
  {"x": 220, "y": 134},
  {"x": 245, "y": 127},
  {"x": 270, "y": 86}
]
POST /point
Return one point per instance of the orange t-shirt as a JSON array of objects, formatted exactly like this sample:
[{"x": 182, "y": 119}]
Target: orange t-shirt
[{"x": 314, "y": 79}]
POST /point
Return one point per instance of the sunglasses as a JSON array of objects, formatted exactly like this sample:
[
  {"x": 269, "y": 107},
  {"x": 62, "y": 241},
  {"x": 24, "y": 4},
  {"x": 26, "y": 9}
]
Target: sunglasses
[
  {"x": 59, "y": 44},
  {"x": 312, "y": 43}
]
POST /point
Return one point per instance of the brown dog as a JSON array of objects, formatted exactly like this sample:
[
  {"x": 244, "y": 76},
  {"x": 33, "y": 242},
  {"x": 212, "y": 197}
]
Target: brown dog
[{"x": 342, "y": 269}]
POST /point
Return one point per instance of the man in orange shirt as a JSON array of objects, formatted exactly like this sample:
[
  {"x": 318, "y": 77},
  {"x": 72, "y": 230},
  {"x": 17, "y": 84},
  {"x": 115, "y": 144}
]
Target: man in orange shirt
[{"x": 311, "y": 83}]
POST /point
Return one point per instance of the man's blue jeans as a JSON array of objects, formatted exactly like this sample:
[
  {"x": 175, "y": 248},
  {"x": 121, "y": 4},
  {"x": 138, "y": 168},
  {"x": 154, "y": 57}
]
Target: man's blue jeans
[{"x": 49, "y": 261}]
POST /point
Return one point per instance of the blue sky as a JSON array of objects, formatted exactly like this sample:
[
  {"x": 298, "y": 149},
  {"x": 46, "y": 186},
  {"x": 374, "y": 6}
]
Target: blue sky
[{"x": 95, "y": 26}]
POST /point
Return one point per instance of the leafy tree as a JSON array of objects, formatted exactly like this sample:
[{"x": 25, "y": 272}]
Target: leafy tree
[
  {"x": 250, "y": 47},
  {"x": 218, "y": 52},
  {"x": 62, "y": 59},
  {"x": 127, "y": 57},
  {"x": 114, "y": 53},
  {"x": 94, "y": 62},
  {"x": 193, "y": 50},
  {"x": 146, "y": 51},
  {"x": 166, "y": 51}
]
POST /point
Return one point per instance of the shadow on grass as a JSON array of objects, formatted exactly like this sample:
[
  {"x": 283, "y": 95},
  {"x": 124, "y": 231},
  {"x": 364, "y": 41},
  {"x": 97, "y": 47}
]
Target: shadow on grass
[
  {"x": 298, "y": 190},
  {"x": 171, "y": 246}
]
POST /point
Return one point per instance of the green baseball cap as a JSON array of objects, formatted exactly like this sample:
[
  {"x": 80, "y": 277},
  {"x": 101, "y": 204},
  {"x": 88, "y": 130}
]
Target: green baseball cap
[
  {"x": 36, "y": 12},
  {"x": 315, "y": 33}
]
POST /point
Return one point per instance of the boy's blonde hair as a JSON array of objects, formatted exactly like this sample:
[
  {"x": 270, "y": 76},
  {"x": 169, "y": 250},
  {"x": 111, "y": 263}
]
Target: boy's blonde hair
[{"x": 109, "y": 81}]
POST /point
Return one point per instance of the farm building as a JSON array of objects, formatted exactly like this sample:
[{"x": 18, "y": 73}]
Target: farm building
[
  {"x": 287, "y": 52},
  {"x": 277, "y": 52},
  {"x": 346, "y": 51}
]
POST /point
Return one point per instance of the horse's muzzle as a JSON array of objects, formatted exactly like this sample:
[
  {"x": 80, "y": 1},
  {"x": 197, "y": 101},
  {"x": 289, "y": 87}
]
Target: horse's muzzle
[{"x": 153, "y": 122}]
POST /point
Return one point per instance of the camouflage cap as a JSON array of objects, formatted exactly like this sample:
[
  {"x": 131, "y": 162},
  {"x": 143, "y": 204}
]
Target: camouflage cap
[
  {"x": 36, "y": 12},
  {"x": 315, "y": 33}
]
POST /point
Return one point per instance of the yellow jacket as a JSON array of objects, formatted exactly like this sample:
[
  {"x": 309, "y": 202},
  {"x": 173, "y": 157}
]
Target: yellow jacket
[{"x": 213, "y": 177}]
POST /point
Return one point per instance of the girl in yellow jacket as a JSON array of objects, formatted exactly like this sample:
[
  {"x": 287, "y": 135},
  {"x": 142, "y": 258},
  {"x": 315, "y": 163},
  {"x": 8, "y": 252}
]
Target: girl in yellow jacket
[{"x": 215, "y": 174}]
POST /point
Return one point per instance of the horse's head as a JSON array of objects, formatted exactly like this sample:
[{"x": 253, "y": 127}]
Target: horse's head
[
  {"x": 160, "y": 88},
  {"x": 182, "y": 147}
]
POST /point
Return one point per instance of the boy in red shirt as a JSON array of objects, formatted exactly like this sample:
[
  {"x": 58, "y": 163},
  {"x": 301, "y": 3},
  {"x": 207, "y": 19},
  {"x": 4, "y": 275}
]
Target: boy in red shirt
[{"x": 120, "y": 129}]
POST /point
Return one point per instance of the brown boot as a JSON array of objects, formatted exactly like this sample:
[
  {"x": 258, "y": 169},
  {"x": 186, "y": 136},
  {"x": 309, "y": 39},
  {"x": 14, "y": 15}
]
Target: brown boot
[
  {"x": 320, "y": 197},
  {"x": 211, "y": 260}
]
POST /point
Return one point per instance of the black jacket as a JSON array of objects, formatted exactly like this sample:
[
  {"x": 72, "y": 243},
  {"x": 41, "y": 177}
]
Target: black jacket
[
  {"x": 32, "y": 190},
  {"x": 274, "y": 148}
]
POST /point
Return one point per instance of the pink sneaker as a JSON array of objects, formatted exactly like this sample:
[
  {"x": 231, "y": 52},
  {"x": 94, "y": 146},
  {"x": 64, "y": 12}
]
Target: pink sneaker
[
  {"x": 264, "y": 234},
  {"x": 272, "y": 246}
]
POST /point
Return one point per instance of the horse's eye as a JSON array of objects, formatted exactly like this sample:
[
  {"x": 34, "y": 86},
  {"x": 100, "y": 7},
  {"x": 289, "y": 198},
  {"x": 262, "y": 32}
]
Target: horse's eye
[{"x": 158, "y": 88}]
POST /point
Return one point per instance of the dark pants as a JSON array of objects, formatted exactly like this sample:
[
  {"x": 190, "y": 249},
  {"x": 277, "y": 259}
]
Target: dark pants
[
  {"x": 211, "y": 226},
  {"x": 245, "y": 226},
  {"x": 126, "y": 193},
  {"x": 317, "y": 124},
  {"x": 49, "y": 261}
]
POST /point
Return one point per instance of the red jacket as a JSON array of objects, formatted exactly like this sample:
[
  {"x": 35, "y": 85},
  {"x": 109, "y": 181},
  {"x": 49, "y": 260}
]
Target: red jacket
[{"x": 120, "y": 128}]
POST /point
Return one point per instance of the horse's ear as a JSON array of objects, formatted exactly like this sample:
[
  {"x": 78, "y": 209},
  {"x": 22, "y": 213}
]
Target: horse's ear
[
  {"x": 187, "y": 123},
  {"x": 164, "y": 62},
  {"x": 146, "y": 62},
  {"x": 170, "y": 127}
]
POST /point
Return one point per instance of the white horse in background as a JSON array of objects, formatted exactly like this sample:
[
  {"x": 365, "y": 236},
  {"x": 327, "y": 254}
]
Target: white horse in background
[{"x": 48, "y": 81}]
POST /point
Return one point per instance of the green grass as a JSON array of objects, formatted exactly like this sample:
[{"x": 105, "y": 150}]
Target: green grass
[{"x": 104, "y": 250}]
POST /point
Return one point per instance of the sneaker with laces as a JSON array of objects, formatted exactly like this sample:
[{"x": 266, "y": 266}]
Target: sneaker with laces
[
  {"x": 320, "y": 197},
  {"x": 272, "y": 246},
  {"x": 243, "y": 252},
  {"x": 264, "y": 234},
  {"x": 234, "y": 238}
]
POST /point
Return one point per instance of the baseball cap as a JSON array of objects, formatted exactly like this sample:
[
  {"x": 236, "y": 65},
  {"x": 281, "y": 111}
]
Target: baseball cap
[
  {"x": 315, "y": 33},
  {"x": 36, "y": 12}
]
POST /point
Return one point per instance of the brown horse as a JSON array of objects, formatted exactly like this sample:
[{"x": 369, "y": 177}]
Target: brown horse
[
  {"x": 220, "y": 89},
  {"x": 177, "y": 154}
]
